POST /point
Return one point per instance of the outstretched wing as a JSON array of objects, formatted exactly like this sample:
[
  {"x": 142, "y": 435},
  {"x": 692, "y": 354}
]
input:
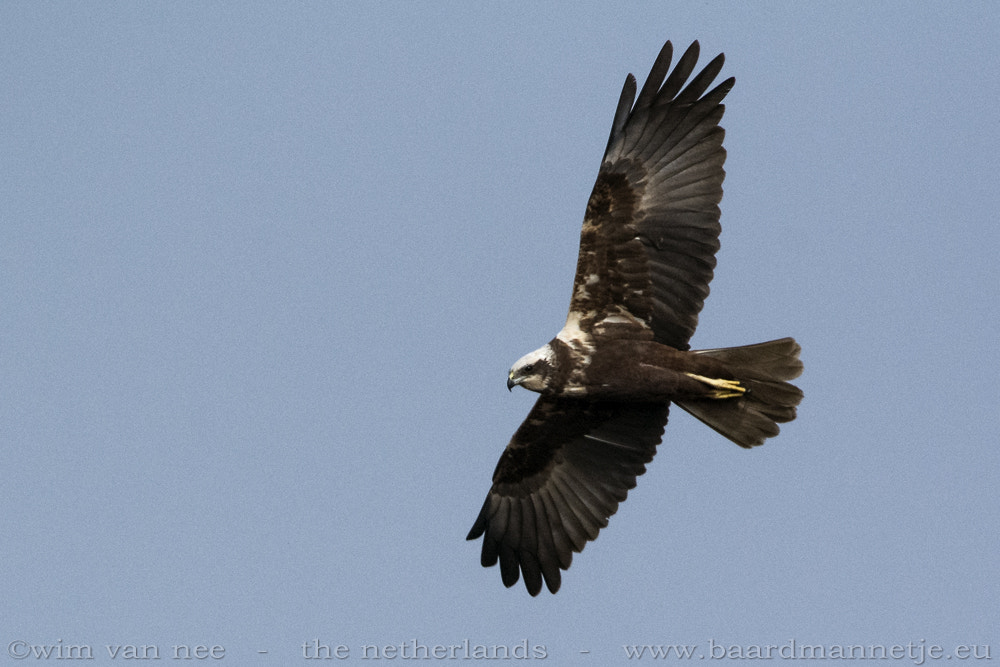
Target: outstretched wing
[
  {"x": 560, "y": 478},
  {"x": 651, "y": 230}
]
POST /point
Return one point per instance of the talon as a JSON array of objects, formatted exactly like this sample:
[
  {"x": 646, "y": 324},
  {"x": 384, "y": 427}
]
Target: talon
[{"x": 723, "y": 388}]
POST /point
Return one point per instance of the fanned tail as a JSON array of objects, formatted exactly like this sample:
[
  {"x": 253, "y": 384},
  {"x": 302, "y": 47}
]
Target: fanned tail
[{"x": 764, "y": 370}]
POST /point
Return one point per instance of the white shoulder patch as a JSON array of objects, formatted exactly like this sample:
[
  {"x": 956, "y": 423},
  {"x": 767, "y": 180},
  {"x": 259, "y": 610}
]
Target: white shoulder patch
[
  {"x": 575, "y": 337},
  {"x": 571, "y": 331}
]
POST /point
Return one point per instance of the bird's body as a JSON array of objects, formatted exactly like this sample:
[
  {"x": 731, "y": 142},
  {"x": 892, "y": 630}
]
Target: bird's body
[
  {"x": 628, "y": 370},
  {"x": 647, "y": 254}
]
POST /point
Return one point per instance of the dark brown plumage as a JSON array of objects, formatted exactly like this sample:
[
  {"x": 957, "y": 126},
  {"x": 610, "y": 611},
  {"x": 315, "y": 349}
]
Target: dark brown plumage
[{"x": 647, "y": 254}]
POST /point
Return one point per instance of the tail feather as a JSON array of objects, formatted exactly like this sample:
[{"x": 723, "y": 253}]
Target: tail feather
[{"x": 763, "y": 369}]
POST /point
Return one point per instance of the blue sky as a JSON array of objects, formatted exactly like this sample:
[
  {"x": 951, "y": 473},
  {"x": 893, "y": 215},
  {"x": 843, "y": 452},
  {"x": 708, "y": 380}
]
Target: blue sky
[{"x": 263, "y": 271}]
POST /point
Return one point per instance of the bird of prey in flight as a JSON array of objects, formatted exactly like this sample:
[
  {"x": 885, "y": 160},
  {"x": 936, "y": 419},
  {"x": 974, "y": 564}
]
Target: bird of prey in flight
[{"x": 647, "y": 253}]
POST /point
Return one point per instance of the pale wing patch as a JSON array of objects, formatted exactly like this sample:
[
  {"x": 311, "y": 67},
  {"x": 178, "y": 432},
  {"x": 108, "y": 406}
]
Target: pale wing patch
[
  {"x": 582, "y": 344},
  {"x": 572, "y": 334},
  {"x": 620, "y": 322}
]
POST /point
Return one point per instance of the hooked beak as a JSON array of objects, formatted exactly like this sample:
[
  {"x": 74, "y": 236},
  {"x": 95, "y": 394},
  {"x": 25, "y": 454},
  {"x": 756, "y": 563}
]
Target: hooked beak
[{"x": 510, "y": 381}]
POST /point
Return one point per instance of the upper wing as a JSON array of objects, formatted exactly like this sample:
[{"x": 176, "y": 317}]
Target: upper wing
[
  {"x": 560, "y": 478},
  {"x": 651, "y": 230}
]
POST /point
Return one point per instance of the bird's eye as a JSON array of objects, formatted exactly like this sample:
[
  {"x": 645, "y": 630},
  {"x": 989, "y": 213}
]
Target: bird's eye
[{"x": 529, "y": 368}]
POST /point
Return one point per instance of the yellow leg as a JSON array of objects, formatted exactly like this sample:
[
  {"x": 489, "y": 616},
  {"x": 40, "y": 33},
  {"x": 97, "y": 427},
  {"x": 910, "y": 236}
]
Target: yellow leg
[{"x": 723, "y": 388}]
